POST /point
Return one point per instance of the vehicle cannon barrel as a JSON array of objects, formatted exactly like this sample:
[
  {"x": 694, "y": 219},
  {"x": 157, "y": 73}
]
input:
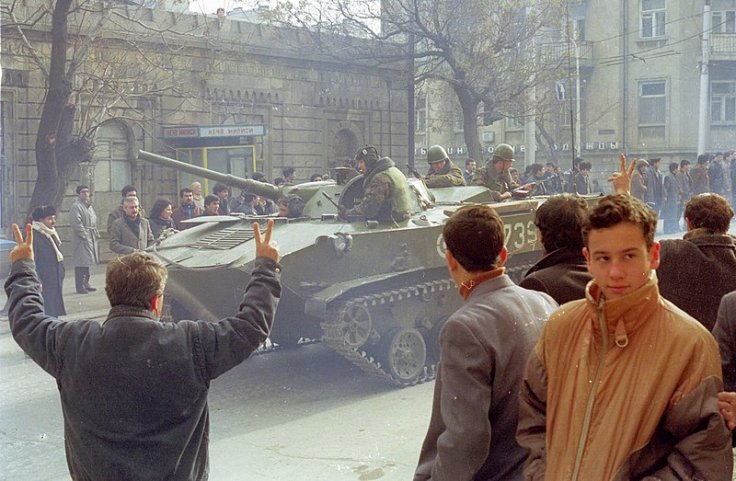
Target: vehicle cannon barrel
[{"x": 259, "y": 188}]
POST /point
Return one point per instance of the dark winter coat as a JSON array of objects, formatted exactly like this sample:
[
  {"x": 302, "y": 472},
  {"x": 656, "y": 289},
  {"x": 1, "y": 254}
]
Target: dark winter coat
[
  {"x": 655, "y": 188},
  {"x": 716, "y": 178},
  {"x": 134, "y": 389},
  {"x": 181, "y": 214},
  {"x": 50, "y": 273},
  {"x": 672, "y": 195},
  {"x": 699, "y": 176},
  {"x": 695, "y": 272},
  {"x": 582, "y": 184},
  {"x": 158, "y": 226},
  {"x": 563, "y": 274}
]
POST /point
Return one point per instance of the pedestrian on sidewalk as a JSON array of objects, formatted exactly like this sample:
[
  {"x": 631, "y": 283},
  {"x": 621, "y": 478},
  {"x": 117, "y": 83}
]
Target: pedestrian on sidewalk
[
  {"x": 133, "y": 389},
  {"x": 49, "y": 259},
  {"x": 83, "y": 221}
]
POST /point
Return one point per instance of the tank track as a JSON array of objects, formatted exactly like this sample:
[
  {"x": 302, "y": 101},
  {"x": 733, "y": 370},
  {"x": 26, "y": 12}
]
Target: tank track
[
  {"x": 334, "y": 330},
  {"x": 365, "y": 357}
]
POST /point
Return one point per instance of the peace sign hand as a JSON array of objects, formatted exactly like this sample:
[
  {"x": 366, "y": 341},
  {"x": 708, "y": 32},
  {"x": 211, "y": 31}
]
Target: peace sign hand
[
  {"x": 622, "y": 180},
  {"x": 24, "y": 249},
  {"x": 265, "y": 247}
]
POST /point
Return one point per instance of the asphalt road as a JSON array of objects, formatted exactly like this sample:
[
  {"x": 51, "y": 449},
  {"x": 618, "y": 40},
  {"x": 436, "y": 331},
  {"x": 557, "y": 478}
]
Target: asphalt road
[{"x": 302, "y": 414}]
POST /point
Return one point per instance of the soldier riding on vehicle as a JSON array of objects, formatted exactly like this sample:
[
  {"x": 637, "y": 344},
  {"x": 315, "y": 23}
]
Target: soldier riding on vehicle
[
  {"x": 443, "y": 172},
  {"x": 385, "y": 192},
  {"x": 495, "y": 174}
]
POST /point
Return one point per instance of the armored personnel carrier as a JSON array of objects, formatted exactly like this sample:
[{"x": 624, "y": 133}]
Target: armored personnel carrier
[{"x": 377, "y": 294}]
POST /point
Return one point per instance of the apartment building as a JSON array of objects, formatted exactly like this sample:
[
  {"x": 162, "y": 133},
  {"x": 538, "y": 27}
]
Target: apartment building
[{"x": 633, "y": 85}]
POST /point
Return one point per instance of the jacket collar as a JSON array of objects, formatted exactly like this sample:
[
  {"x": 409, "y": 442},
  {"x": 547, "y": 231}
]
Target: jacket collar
[
  {"x": 702, "y": 236},
  {"x": 384, "y": 163},
  {"x": 565, "y": 255},
  {"x": 499, "y": 281},
  {"x": 625, "y": 315},
  {"x": 127, "y": 312}
]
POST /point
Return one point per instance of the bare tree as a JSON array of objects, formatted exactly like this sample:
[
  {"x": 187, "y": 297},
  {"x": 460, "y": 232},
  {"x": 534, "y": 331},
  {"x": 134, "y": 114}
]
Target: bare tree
[{"x": 490, "y": 54}]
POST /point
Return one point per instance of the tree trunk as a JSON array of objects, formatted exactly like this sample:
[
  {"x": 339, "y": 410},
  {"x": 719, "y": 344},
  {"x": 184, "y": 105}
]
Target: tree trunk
[
  {"x": 52, "y": 137},
  {"x": 550, "y": 142},
  {"x": 469, "y": 106}
]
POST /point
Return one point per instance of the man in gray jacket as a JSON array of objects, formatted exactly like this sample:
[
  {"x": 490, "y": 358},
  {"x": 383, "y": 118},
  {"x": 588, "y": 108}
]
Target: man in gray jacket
[
  {"x": 83, "y": 221},
  {"x": 483, "y": 350},
  {"x": 130, "y": 232},
  {"x": 133, "y": 389}
]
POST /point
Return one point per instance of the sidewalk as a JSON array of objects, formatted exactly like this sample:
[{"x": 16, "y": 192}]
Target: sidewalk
[{"x": 78, "y": 306}]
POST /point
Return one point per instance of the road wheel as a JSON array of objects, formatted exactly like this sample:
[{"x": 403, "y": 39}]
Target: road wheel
[{"x": 403, "y": 355}]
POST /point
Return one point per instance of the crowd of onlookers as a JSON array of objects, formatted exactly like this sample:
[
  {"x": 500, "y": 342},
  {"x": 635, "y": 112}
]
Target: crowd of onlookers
[{"x": 130, "y": 228}]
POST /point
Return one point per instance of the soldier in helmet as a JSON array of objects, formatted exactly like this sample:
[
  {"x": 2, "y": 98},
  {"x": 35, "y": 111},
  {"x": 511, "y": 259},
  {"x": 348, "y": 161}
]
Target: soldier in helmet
[
  {"x": 495, "y": 175},
  {"x": 385, "y": 191},
  {"x": 442, "y": 171}
]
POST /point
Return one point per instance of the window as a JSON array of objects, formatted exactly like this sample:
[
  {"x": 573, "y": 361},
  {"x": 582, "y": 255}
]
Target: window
[
  {"x": 420, "y": 107},
  {"x": 724, "y": 21},
  {"x": 652, "y": 18},
  {"x": 723, "y": 102},
  {"x": 580, "y": 29},
  {"x": 112, "y": 169},
  {"x": 513, "y": 123},
  {"x": 652, "y": 113},
  {"x": 652, "y": 103},
  {"x": 235, "y": 160}
]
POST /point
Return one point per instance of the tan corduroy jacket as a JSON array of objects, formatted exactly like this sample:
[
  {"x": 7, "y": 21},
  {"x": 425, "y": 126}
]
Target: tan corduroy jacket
[{"x": 634, "y": 399}]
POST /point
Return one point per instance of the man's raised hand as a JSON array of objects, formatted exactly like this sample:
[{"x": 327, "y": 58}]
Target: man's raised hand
[
  {"x": 622, "y": 180},
  {"x": 265, "y": 247},
  {"x": 24, "y": 248}
]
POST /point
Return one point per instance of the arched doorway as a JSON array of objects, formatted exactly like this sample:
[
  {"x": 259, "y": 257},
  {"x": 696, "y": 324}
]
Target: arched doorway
[
  {"x": 344, "y": 146},
  {"x": 113, "y": 168}
]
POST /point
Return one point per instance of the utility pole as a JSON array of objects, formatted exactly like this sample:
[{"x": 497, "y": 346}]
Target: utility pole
[{"x": 704, "y": 80}]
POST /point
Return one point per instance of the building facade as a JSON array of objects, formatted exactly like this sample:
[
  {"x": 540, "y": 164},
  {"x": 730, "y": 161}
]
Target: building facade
[
  {"x": 225, "y": 94},
  {"x": 639, "y": 68}
]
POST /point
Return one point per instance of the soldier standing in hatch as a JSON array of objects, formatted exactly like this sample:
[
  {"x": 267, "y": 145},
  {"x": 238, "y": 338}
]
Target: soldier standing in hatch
[
  {"x": 495, "y": 175},
  {"x": 442, "y": 171},
  {"x": 385, "y": 191}
]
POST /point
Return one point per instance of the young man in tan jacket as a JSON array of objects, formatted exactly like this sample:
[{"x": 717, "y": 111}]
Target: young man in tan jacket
[{"x": 623, "y": 384}]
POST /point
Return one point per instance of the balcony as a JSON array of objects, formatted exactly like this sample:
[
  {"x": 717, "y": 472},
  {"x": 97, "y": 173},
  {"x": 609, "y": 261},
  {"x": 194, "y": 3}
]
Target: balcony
[
  {"x": 723, "y": 47},
  {"x": 560, "y": 51}
]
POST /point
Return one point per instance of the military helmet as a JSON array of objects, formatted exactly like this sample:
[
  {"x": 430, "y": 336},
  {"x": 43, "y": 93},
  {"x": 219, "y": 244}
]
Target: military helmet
[
  {"x": 435, "y": 154},
  {"x": 503, "y": 152}
]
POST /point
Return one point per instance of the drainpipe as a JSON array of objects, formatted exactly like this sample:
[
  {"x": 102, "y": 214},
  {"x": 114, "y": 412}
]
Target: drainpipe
[{"x": 704, "y": 80}]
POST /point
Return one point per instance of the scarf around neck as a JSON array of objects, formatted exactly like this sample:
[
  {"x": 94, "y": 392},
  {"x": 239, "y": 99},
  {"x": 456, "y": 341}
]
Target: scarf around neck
[{"x": 51, "y": 234}]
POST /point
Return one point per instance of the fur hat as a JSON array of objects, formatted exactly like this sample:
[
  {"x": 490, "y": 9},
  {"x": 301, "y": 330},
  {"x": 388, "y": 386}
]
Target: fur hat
[
  {"x": 369, "y": 155},
  {"x": 43, "y": 211}
]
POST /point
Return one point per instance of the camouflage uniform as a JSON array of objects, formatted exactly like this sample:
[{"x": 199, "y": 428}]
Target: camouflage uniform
[
  {"x": 450, "y": 176},
  {"x": 385, "y": 194},
  {"x": 497, "y": 183}
]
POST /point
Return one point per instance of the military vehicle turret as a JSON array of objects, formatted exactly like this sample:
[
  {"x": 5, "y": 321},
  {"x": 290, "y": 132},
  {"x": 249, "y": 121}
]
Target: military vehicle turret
[{"x": 378, "y": 294}]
